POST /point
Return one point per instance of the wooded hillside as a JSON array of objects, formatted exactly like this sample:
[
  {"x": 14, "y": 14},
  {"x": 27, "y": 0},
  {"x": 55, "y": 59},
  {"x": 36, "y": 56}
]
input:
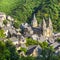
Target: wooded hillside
[{"x": 23, "y": 10}]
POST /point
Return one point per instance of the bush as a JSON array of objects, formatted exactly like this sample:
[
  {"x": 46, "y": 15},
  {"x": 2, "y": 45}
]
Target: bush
[
  {"x": 30, "y": 41},
  {"x": 2, "y": 35},
  {"x": 5, "y": 22},
  {"x": 16, "y": 25},
  {"x": 58, "y": 40},
  {"x": 23, "y": 49}
]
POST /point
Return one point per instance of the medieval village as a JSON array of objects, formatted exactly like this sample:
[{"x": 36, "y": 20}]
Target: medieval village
[{"x": 37, "y": 32}]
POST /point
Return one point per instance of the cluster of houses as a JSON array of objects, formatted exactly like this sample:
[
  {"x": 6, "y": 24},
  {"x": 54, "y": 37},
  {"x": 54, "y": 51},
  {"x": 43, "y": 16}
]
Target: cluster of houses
[
  {"x": 11, "y": 32},
  {"x": 39, "y": 32}
]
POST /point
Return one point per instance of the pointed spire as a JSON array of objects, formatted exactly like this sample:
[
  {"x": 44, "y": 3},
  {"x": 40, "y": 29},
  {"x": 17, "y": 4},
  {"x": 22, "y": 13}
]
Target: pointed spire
[
  {"x": 44, "y": 27},
  {"x": 44, "y": 23},
  {"x": 34, "y": 22},
  {"x": 50, "y": 27},
  {"x": 50, "y": 22},
  {"x": 34, "y": 18}
]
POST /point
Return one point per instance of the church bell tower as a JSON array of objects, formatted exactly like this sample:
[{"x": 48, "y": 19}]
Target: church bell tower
[{"x": 34, "y": 22}]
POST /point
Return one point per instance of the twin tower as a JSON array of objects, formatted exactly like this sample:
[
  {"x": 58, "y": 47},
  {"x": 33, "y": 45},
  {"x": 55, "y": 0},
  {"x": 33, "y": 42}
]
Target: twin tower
[{"x": 46, "y": 26}]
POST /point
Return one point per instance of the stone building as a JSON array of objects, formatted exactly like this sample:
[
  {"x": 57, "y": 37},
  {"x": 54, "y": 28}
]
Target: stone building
[
  {"x": 34, "y": 51},
  {"x": 2, "y": 17},
  {"x": 45, "y": 30},
  {"x": 34, "y": 22}
]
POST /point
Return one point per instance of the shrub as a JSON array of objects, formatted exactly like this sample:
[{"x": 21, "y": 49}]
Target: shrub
[
  {"x": 58, "y": 40},
  {"x": 30, "y": 41},
  {"x": 2, "y": 35},
  {"x": 23, "y": 49},
  {"x": 5, "y": 22},
  {"x": 16, "y": 25}
]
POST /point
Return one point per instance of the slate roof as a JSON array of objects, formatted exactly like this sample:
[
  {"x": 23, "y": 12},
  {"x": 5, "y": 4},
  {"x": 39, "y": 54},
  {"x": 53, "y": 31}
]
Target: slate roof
[
  {"x": 55, "y": 44},
  {"x": 29, "y": 51},
  {"x": 32, "y": 48},
  {"x": 14, "y": 39},
  {"x": 6, "y": 28},
  {"x": 57, "y": 47},
  {"x": 12, "y": 31}
]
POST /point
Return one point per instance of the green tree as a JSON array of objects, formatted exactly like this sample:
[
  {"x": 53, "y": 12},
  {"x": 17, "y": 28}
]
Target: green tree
[
  {"x": 16, "y": 25},
  {"x": 4, "y": 53},
  {"x": 30, "y": 41},
  {"x": 5, "y": 22},
  {"x": 27, "y": 58},
  {"x": 23, "y": 49},
  {"x": 8, "y": 51},
  {"x": 47, "y": 51},
  {"x": 13, "y": 54},
  {"x": 58, "y": 40},
  {"x": 2, "y": 35}
]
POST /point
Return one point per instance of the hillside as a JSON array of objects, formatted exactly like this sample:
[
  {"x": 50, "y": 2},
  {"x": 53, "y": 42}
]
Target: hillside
[{"x": 23, "y": 10}]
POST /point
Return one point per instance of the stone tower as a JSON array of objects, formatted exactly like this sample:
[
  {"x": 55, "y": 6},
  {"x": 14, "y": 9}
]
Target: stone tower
[
  {"x": 34, "y": 22},
  {"x": 44, "y": 28},
  {"x": 50, "y": 25},
  {"x": 49, "y": 28}
]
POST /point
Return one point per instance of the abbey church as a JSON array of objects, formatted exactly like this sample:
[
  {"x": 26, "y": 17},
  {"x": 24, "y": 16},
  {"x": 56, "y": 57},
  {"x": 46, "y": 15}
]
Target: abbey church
[
  {"x": 44, "y": 31},
  {"x": 38, "y": 32}
]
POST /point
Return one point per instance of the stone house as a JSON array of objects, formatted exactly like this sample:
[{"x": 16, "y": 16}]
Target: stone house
[
  {"x": 10, "y": 18},
  {"x": 14, "y": 40},
  {"x": 35, "y": 31},
  {"x": 2, "y": 17},
  {"x": 26, "y": 30},
  {"x": 35, "y": 37},
  {"x": 5, "y": 28},
  {"x": 12, "y": 32},
  {"x": 34, "y": 51},
  {"x": 22, "y": 41},
  {"x": 9, "y": 31},
  {"x": 57, "y": 50}
]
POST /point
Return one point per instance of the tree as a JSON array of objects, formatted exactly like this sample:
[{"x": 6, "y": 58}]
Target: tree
[
  {"x": 47, "y": 52},
  {"x": 23, "y": 49},
  {"x": 58, "y": 40},
  {"x": 30, "y": 41},
  {"x": 22, "y": 10},
  {"x": 16, "y": 25},
  {"x": 4, "y": 53},
  {"x": 8, "y": 51},
  {"x": 27, "y": 58},
  {"x": 49, "y": 8},
  {"x": 2, "y": 35},
  {"x": 13, "y": 54},
  {"x": 5, "y": 22}
]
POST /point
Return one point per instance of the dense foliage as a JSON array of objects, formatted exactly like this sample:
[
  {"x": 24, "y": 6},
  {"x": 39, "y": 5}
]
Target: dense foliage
[
  {"x": 16, "y": 25},
  {"x": 30, "y": 41},
  {"x": 2, "y": 35},
  {"x": 5, "y": 22},
  {"x": 22, "y": 10},
  {"x": 58, "y": 40},
  {"x": 8, "y": 52},
  {"x": 23, "y": 49}
]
